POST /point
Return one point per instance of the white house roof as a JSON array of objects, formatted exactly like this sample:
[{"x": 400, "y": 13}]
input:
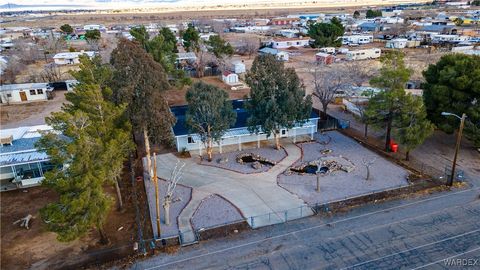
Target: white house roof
[
  {"x": 271, "y": 51},
  {"x": 71, "y": 55},
  {"x": 186, "y": 56},
  {"x": 24, "y": 86},
  {"x": 24, "y": 132},
  {"x": 323, "y": 54}
]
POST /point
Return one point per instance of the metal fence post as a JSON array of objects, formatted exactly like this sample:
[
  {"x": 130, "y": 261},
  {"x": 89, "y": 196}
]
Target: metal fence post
[
  {"x": 252, "y": 221},
  {"x": 286, "y": 216}
]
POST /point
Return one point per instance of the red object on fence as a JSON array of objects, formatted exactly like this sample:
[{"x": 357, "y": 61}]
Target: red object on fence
[
  {"x": 139, "y": 178},
  {"x": 394, "y": 147}
]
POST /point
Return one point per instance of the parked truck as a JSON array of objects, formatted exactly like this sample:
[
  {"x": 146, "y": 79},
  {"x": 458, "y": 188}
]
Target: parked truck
[{"x": 364, "y": 54}]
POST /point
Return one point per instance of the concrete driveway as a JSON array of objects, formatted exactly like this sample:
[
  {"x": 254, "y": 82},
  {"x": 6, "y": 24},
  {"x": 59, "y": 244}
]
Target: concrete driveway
[{"x": 257, "y": 196}]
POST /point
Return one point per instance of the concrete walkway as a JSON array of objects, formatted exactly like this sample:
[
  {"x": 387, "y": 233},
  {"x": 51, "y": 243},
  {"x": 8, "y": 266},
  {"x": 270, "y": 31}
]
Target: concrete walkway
[{"x": 257, "y": 196}]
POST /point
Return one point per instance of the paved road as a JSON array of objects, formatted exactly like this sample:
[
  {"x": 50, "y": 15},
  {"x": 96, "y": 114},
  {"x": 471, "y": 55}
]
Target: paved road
[{"x": 405, "y": 234}]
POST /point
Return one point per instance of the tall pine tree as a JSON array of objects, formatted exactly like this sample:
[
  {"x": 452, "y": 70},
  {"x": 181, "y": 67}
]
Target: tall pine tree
[
  {"x": 139, "y": 82},
  {"x": 277, "y": 97},
  {"x": 210, "y": 113},
  {"x": 387, "y": 105}
]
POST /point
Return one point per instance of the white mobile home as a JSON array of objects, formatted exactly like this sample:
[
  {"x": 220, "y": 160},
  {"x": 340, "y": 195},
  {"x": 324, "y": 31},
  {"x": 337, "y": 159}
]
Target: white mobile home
[
  {"x": 13, "y": 93},
  {"x": 283, "y": 43},
  {"x": 280, "y": 55},
  {"x": 71, "y": 58},
  {"x": 397, "y": 43},
  {"x": 449, "y": 38},
  {"x": 238, "y": 67},
  {"x": 237, "y": 134},
  {"x": 356, "y": 39},
  {"x": 364, "y": 54}
]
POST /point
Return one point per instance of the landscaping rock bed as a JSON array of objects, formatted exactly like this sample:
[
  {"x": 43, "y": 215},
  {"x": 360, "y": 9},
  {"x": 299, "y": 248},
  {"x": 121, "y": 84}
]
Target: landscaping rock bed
[
  {"x": 215, "y": 211},
  {"x": 248, "y": 161},
  {"x": 346, "y": 173}
]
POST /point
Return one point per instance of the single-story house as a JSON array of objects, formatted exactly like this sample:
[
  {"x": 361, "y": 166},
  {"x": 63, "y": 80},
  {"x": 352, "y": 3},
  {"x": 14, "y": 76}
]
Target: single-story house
[
  {"x": 282, "y": 43},
  {"x": 71, "y": 58},
  {"x": 397, "y": 43},
  {"x": 238, "y": 133},
  {"x": 229, "y": 77},
  {"x": 21, "y": 165},
  {"x": 324, "y": 58},
  {"x": 238, "y": 67},
  {"x": 12, "y": 93},
  {"x": 280, "y": 55},
  {"x": 285, "y": 21}
]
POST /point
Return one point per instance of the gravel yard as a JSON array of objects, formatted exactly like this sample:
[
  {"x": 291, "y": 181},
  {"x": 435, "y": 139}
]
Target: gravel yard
[
  {"x": 229, "y": 160},
  {"x": 338, "y": 185},
  {"x": 215, "y": 211},
  {"x": 181, "y": 197}
]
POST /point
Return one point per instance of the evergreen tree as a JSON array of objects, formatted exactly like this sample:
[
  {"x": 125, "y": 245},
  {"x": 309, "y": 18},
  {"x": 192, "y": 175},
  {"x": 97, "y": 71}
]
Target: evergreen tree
[
  {"x": 413, "y": 125},
  {"x": 78, "y": 179},
  {"x": 219, "y": 47},
  {"x": 112, "y": 131},
  {"x": 453, "y": 85},
  {"x": 139, "y": 82},
  {"x": 163, "y": 48},
  {"x": 387, "y": 105},
  {"x": 326, "y": 34},
  {"x": 191, "y": 39},
  {"x": 88, "y": 148},
  {"x": 92, "y": 35},
  {"x": 277, "y": 97},
  {"x": 67, "y": 29},
  {"x": 356, "y": 14},
  {"x": 373, "y": 14},
  {"x": 210, "y": 113},
  {"x": 141, "y": 35}
]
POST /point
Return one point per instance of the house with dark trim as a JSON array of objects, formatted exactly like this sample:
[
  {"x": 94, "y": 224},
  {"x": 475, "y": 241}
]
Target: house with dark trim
[{"x": 238, "y": 134}]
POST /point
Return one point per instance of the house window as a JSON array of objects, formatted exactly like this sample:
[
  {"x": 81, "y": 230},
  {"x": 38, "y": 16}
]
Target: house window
[
  {"x": 9, "y": 95},
  {"x": 32, "y": 92},
  {"x": 283, "y": 133},
  {"x": 40, "y": 91},
  {"x": 190, "y": 139}
]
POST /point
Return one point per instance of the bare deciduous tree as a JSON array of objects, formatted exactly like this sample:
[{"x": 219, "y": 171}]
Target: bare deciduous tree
[
  {"x": 249, "y": 46},
  {"x": 368, "y": 163},
  {"x": 171, "y": 185},
  {"x": 326, "y": 83},
  {"x": 358, "y": 73},
  {"x": 14, "y": 67},
  {"x": 51, "y": 73},
  {"x": 52, "y": 44}
]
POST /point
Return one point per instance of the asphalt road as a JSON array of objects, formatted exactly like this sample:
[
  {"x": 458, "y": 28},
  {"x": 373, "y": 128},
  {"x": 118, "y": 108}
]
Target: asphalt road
[{"x": 417, "y": 233}]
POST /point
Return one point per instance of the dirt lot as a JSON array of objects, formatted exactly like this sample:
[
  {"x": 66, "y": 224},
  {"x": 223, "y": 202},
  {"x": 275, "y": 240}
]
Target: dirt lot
[
  {"x": 31, "y": 113},
  {"x": 177, "y": 96},
  {"x": 36, "y": 248}
]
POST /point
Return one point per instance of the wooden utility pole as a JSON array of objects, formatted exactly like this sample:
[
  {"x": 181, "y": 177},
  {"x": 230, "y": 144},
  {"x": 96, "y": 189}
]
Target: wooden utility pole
[
  {"x": 157, "y": 197},
  {"x": 457, "y": 147}
]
